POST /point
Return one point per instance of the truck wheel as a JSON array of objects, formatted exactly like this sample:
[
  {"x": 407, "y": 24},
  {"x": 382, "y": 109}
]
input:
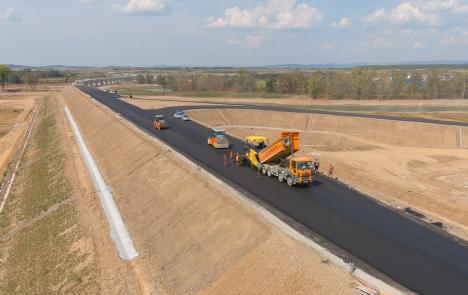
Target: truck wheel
[
  {"x": 269, "y": 172},
  {"x": 280, "y": 177},
  {"x": 289, "y": 181},
  {"x": 264, "y": 170}
]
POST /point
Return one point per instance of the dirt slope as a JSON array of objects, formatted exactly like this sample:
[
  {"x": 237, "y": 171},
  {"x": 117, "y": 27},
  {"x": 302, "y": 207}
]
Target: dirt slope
[
  {"x": 194, "y": 236},
  {"x": 52, "y": 235},
  {"x": 14, "y": 112}
]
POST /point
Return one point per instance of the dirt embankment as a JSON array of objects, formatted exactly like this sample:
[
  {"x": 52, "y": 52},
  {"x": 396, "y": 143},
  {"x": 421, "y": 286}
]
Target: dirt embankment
[
  {"x": 53, "y": 236},
  {"x": 405, "y": 134},
  {"x": 14, "y": 112},
  {"x": 193, "y": 235},
  {"x": 405, "y": 164}
]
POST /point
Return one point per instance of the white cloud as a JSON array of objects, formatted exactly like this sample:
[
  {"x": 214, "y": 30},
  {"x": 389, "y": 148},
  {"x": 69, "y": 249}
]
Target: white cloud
[
  {"x": 142, "y": 7},
  {"x": 377, "y": 15},
  {"x": 91, "y": 1},
  {"x": 418, "y": 45},
  {"x": 403, "y": 13},
  {"x": 342, "y": 23},
  {"x": 274, "y": 14},
  {"x": 409, "y": 33},
  {"x": 381, "y": 42},
  {"x": 428, "y": 12},
  {"x": 249, "y": 41},
  {"x": 408, "y": 12},
  {"x": 254, "y": 40},
  {"x": 12, "y": 15},
  {"x": 453, "y": 6}
]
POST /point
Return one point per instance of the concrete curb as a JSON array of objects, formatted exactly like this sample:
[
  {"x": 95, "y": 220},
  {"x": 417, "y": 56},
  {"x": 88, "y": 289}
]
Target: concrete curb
[{"x": 118, "y": 232}]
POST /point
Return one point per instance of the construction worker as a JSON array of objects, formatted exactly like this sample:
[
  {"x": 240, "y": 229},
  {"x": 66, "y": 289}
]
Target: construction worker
[
  {"x": 238, "y": 161},
  {"x": 225, "y": 158},
  {"x": 231, "y": 157},
  {"x": 316, "y": 165},
  {"x": 259, "y": 169},
  {"x": 330, "y": 170}
]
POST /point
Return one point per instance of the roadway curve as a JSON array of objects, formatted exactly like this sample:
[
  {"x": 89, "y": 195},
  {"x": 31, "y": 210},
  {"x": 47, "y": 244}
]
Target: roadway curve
[{"x": 412, "y": 254}]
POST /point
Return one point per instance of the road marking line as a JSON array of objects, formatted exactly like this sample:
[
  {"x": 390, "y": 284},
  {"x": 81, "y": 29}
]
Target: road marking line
[{"x": 118, "y": 230}]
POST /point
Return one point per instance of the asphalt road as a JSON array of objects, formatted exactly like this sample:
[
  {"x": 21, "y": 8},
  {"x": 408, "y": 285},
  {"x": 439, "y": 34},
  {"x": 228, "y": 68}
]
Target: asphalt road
[
  {"x": 297, "y": 109},
  {"x": 414, "y": 255}
]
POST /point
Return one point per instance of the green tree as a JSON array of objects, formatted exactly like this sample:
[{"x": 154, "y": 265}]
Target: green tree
[
  {"x": 283, "y": 84},
  {"x": 14, "y": 78},
  {"x": 4, "y": 73},
  {"x": 140, "y": 79},
  {"x": 311, "y": 88},
  {"x": 30, "y": 78},
  {"x": 270, "y": 84},
  {"x": 433, "y": 84},
  {"x": 161, "y": 81},
  {"x": 149, "y": 79},
  {"x": 244, "y": 81},
  {"x": 460, "y": 85}
]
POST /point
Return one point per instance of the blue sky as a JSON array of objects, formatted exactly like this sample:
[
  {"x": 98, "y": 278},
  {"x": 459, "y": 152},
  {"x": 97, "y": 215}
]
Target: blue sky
[{"x": 238, "y": 33}]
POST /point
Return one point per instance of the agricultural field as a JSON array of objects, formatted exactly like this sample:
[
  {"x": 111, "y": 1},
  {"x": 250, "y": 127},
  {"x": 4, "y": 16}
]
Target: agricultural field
[{"x": 15, "y": 110}]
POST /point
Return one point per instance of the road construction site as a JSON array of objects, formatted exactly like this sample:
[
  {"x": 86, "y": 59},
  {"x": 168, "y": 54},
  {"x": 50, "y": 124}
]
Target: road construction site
[
  {"x": 202, "y": 228},
  {"x": 193, "y": 235},
  {"x": 397, "y": 245}
]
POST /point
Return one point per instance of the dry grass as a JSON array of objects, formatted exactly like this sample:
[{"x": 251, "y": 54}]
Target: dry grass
[
  {"x": 8, "y": 115},
  {"x": 449, "y": 116},
  {"x": 41, "y": 178},
  {"x": 49, "y": 256}
]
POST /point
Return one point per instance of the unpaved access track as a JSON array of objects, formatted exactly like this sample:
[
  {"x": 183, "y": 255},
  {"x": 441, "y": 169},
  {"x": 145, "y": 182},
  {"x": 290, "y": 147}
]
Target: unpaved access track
[{"x": 413, "y": 254}]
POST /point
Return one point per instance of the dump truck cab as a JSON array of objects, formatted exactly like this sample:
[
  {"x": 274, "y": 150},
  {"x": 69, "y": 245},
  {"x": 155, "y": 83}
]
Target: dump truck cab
[
  {"x": 300, "y": 171},
  {"x": 159, "y": 122},
  {"x": 218, "y": 139}
]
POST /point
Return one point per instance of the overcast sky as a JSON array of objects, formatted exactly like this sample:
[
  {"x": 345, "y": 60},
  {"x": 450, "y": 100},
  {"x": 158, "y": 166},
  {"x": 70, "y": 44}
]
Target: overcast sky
[{"x": 223, "y": 32}]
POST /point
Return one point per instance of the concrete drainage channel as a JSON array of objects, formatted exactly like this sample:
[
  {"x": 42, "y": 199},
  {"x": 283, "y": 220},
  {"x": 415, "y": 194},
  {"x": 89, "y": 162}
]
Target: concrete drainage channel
[{"x": 118, "y": 230}]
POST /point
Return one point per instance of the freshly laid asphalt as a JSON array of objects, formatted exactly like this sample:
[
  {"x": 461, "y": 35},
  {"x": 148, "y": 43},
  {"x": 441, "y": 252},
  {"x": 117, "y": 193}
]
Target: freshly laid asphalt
[
  {"x": 315, "y": 110},
  {"x": 414, "y": 255}
]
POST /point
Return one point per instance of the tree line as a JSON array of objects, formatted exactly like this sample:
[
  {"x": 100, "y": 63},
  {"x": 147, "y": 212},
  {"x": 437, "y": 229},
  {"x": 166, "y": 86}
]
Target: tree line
[
  {"x": 30, "y": 77},
  {"x": 357, "y": 83}
]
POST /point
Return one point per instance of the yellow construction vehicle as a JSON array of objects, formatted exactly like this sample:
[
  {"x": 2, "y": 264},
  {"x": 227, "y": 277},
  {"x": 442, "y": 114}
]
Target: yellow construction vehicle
[
  {"x": 257, "y": 142},
  {"x": 218, "y": 139},
  {"x": 278, "y": 159}
]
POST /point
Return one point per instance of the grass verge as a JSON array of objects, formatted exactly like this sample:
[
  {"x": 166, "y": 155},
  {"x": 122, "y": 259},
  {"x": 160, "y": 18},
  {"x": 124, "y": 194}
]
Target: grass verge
[{"x": 50, "y": 255}]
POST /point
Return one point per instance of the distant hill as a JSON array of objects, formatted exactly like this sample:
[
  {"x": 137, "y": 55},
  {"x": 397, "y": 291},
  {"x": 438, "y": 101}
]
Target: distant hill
[
  {"x": 420, "y": 64},
  {"x": 51, "y": 67}
]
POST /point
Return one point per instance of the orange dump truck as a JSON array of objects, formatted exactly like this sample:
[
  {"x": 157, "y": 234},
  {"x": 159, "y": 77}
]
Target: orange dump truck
[{"x": 277, "y": 160}]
